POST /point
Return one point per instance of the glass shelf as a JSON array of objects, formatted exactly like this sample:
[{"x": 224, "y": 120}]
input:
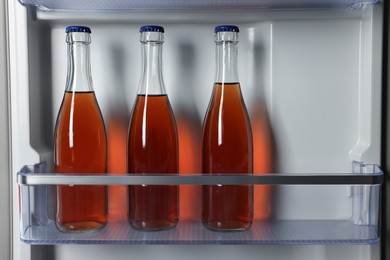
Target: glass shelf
[
  {"x": 53, "y": 5},
  {"x": 360, "y": 226}
]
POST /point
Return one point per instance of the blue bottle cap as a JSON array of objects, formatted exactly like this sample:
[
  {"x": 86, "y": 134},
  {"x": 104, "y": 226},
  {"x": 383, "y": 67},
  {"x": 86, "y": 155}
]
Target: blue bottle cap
[
  {"x": 77, "y": 28},
  {"x": 151, "y": 28},
  {"x": 226, "y": 28}
]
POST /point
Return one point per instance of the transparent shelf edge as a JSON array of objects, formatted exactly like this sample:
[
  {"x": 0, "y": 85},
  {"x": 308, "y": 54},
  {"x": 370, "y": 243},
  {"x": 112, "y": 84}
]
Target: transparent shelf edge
[
  {"x": 53, "y": 5},
  {"x": 362, "y": 174}
]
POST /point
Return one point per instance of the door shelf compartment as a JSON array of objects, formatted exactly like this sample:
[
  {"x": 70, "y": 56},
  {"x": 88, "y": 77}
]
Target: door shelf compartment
[
  {"x": 360, "y": 192},
  {"x": 53, "y": 5}
]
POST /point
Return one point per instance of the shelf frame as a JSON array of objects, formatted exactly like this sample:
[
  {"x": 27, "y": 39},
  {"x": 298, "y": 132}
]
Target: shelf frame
[{"x": 37, "y": 193}]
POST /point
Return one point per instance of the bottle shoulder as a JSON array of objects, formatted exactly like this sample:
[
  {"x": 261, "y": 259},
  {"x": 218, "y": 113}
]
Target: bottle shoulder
[
  {"x": 81, "y": 108},
  {"x": 154, "y": 110}
]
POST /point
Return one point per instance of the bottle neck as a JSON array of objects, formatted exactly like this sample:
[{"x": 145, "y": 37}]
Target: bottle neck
[
  {"x": 151, "y": 77},
  {"x": 226, "y": 62},
  {"x": 79, "y": 66}
]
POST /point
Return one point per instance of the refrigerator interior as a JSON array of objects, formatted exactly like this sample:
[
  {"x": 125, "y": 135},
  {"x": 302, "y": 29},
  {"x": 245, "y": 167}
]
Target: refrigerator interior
[{"x": 316, "y": 70}]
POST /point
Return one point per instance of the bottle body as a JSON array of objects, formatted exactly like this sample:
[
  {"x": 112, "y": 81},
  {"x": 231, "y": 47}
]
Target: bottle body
[
  {"x": 153, "y": 149},
  {"x": 227, "y": 147},
  {"x": 152, "y": 143},
  {"x": 80, "y": 147},
  {"x": 81, "y": 207}
]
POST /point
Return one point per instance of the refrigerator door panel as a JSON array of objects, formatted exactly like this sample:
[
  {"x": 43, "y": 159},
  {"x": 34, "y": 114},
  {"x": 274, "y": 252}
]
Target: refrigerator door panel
[
  {"x": 318, "y": 73},
  {"x": 386, "y": 138},
  {"x": 5, "y": 176},
  {"x": 19, "y": 106}
]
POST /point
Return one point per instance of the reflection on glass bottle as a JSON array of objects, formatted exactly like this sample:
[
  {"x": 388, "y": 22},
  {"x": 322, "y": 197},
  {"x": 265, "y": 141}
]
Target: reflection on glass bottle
[
  {"x": 80, "y": 141},
  {"x": 264, "y": 146},
  {"x": 227, "y": 145},
  {"x": 152, "y": 141},
  {"x": 189, "y": 132},
  {"x": 264, "y": 158},
  {"x": 117, "y": 123}
]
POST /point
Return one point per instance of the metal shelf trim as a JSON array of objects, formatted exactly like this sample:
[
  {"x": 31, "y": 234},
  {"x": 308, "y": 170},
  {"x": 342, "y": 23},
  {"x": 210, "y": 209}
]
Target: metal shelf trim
[{"x": 282, "y": 179}]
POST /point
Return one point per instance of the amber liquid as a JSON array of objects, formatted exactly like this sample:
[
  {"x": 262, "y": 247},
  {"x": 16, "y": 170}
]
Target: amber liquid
[
  {"x": 227, "y": 148},
  {"x": 80, "y": 147},
  {"x": 153, "y": 148}
]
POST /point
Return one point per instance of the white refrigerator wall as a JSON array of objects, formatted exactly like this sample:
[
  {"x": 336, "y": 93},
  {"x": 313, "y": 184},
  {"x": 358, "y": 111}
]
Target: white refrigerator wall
[{"x": 318, "y": 72}]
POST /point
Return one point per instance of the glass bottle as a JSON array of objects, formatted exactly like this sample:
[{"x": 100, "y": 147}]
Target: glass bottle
[
  {"x": 80, "y": 141},
  {"x": 227, "y": 142},
  {"x": 152, "y": 141}
]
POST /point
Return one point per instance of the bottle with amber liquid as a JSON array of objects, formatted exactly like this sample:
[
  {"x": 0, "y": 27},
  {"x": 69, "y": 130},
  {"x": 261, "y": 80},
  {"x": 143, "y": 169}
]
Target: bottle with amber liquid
[
  {"x": 152, "y": 141},
  {"x": 80, "y": 145},
  {"x": 227, "y": 146}
]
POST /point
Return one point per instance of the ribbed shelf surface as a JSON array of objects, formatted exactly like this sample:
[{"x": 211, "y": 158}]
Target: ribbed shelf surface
[{"x": 192, "y": 232}]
